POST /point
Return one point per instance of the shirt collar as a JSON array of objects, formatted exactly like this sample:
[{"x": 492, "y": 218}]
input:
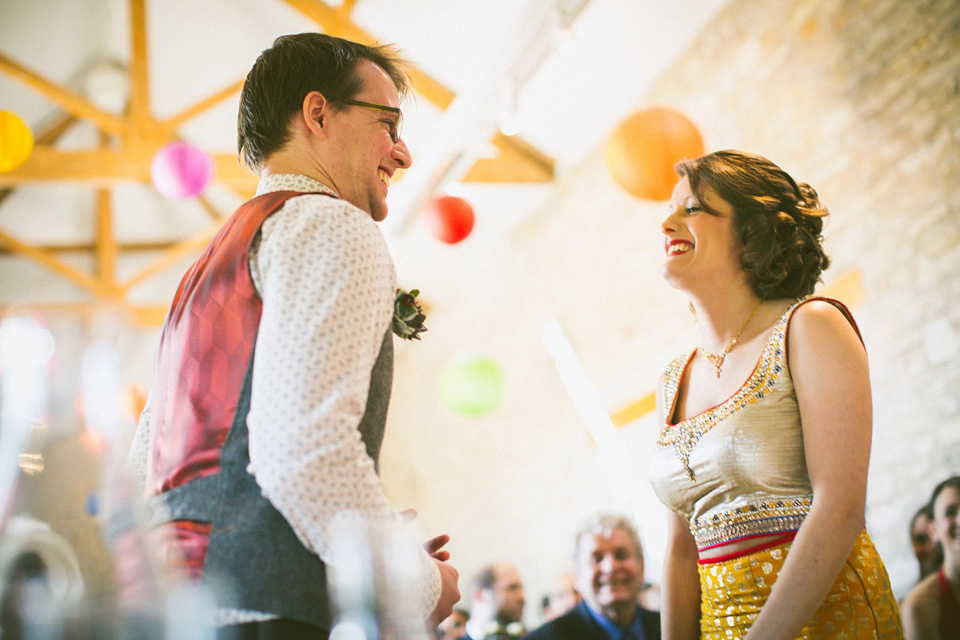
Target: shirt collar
[
  {"x": 614, "y": 631},
  {"x": 291, "y": 182}
]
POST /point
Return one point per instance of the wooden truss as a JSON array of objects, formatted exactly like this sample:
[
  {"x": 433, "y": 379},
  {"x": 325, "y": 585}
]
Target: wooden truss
[{"x": 128, "y": 143}]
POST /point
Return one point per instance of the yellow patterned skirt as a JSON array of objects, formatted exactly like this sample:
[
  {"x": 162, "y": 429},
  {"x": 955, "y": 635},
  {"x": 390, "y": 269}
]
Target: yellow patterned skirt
[{"x": 860, "y": 603}]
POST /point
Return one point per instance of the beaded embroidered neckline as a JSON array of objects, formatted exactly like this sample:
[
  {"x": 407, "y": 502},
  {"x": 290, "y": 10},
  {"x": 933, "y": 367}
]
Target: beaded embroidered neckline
[{"x": 685, "y": 434}]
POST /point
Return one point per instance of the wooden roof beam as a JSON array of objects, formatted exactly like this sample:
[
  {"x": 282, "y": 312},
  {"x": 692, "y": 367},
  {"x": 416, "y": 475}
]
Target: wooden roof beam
[
  {"x": 140, "y": 315},
  {"x": 107, "y": 166},
  {"x": 46, "y": 135},
  {"x": 174, "y": 254},
  {"x": 49, "y": 261},
  {"x": 338, "y": 23},
  {"x": 104, "y": 234},
  {"x": 91, "y": 247},
  {"x": 139, "y": 108},
  {"x": 518, "y": 160},
  {"x": 174, "y": 122},
  {"x": 70, "y": 101}
]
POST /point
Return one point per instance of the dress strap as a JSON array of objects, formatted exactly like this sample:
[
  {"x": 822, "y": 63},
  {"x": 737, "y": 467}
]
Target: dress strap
[{"x": 842, "y": 308}]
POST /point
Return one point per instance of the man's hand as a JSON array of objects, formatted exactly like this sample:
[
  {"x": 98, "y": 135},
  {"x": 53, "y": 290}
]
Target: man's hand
[
  {"x": 434, "y": 546},
  {"x": 449, "y": 593}
]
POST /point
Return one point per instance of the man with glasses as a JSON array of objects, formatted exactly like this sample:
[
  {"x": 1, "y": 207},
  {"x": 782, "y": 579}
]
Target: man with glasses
[{"x": 252, "y": 456}]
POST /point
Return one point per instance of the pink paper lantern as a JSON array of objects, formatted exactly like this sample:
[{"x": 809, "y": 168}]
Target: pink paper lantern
[
  {"x": 180, "y": 170},
  {"x": 448, "y": 218}
]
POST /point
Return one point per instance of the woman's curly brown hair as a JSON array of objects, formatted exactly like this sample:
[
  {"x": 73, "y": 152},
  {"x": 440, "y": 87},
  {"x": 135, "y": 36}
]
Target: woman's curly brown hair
[{"x": 777, "y": 220}]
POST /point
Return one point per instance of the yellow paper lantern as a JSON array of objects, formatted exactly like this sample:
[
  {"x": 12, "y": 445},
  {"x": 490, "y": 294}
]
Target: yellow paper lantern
[
  {"x": 16, "y": 141},
  {"x": 643, "y": 148}
]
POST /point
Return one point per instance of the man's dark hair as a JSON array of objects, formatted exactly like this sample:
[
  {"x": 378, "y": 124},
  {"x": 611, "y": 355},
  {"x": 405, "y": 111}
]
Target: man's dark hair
[{"x": 285, "y": 73}]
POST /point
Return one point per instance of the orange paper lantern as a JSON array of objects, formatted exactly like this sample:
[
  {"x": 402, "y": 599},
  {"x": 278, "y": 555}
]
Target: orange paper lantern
[
  {"x": 643, "y": 148},
  {"x": 16, "y": 141},
  {"x": 449, "y": 219}
]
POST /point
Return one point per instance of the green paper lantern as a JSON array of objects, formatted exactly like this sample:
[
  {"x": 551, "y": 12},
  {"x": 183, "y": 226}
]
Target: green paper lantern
[{"x": 471, "y": 385}]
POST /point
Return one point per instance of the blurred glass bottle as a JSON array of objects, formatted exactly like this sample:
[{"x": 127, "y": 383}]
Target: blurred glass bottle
[
  {"x": 373, "y": 581},
  {"x": 350, "y": 579}
]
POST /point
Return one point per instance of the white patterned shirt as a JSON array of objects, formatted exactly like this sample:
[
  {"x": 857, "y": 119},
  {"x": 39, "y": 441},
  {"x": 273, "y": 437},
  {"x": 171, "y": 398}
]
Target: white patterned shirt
[{"x": 324, "y": 272}]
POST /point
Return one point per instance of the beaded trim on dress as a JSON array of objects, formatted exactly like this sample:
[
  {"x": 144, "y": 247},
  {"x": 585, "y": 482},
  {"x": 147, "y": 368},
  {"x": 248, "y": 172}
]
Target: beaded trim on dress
[
  {"x": 685, "y": 435},
  {"x": 770, "y": 516}
]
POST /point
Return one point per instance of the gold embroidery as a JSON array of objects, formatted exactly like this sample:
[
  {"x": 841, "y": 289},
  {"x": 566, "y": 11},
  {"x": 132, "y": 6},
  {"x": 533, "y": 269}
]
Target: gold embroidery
[
  {"x": 772, "y": 516},
  {"x": 685, "y": 435},
  {"x": 733, "y": 591}
]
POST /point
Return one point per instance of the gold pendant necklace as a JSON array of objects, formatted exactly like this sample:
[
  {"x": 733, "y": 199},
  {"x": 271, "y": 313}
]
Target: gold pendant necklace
[{"x": 717, "y": 359}]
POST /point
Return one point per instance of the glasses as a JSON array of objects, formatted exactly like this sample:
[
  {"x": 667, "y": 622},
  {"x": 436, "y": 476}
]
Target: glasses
[{"x": 395, "y": 126}]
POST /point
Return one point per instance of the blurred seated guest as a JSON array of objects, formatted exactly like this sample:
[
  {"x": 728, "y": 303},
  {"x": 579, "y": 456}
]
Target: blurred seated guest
[
  {"x": 545, "y": 613},
  {"x": 496, "y": 604},
  {"x": 931, "y": 611},
  {"x": 762, "y": 442},
  {"x": 925, "y": 548},
  {"x": 609, "y": 573},
  {"x": 453, "y": 626},
  {"x": 561, "y": 598}
]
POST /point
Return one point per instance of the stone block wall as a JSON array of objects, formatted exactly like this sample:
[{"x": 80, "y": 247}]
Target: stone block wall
[
  {"x": 861, "y": 98},
  {"x": 858, "y": 98}
]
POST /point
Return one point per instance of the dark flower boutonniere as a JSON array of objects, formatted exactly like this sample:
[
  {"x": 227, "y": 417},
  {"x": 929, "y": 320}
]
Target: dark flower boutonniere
[{"x": 407, "y": 315}]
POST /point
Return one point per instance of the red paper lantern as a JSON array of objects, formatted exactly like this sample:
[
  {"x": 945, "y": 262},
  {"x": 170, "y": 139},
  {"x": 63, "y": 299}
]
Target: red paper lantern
[
  {"x": 448, "y": 218},
  {"x": 643, "y": 148}
]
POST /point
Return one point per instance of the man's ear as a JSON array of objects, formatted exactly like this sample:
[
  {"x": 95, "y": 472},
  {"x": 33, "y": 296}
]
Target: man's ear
[{"x": 314, "y": 112}]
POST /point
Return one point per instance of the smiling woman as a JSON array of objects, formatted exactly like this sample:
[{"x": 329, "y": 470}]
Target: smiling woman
[
  {"x": 931, "y": 611},
  {"x": 764, "y": 439}
]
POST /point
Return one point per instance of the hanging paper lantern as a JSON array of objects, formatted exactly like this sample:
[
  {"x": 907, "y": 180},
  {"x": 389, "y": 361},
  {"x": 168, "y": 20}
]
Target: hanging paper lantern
[
  {"x": 643, "y": 148},
  {"x": 180, "y": 170},
  {"x": 16, "y": 141},
  {"x": 448, "y": 218},
  {"x": 471, "y": 385}
]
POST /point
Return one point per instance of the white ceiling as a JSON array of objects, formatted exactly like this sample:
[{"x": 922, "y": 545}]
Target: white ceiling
[{"x": 568, "y": 98}]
